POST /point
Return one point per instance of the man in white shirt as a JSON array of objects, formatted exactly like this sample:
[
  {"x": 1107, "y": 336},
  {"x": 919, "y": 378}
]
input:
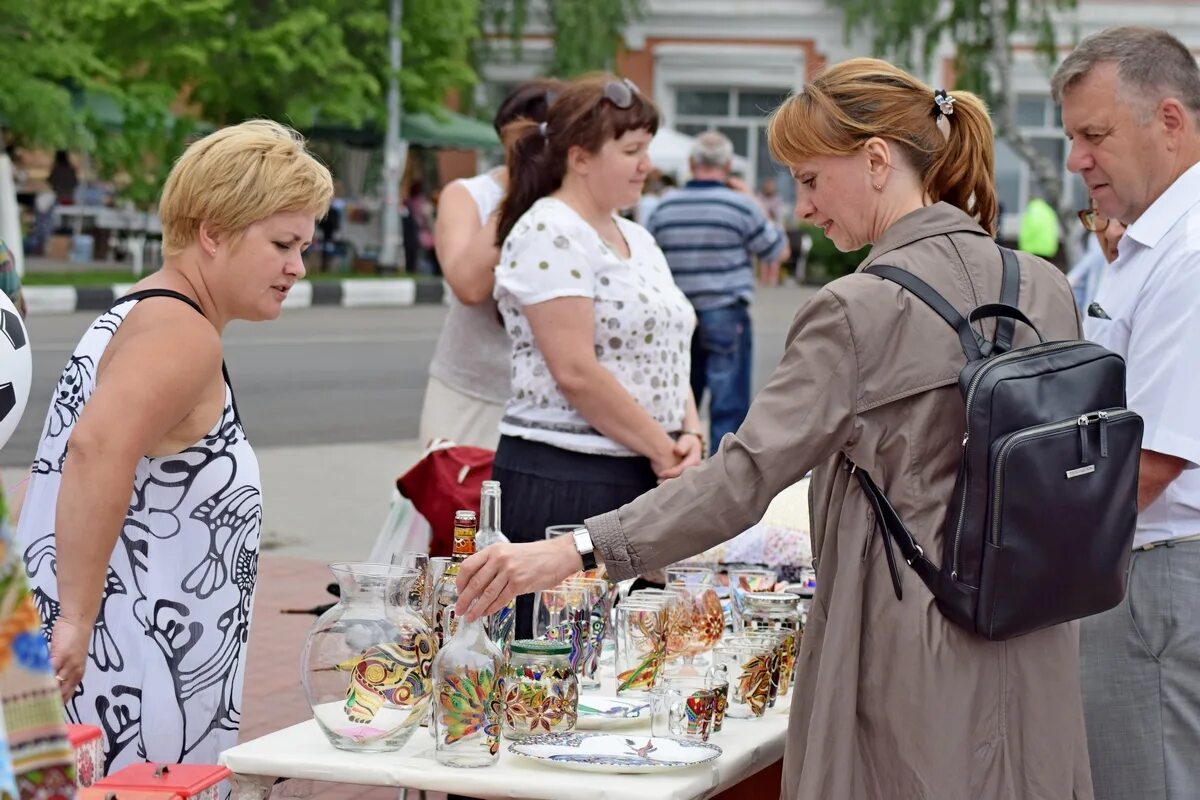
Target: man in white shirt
[{"x": 1131, "y": 108}]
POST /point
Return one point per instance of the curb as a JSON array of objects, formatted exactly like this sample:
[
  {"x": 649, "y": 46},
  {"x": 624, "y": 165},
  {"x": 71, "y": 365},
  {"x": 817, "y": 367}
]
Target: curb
[{"x": 381, "y": 293}]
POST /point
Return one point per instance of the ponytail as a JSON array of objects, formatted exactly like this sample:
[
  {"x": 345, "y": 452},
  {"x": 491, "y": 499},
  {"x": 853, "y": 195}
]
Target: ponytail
[
  {"x": 963, "y": 171},
  {"x": 849, "y": 103},
  {"x": 533, "y": 172}
]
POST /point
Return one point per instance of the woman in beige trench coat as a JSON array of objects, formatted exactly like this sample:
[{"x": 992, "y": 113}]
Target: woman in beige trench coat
[{"x": 893, "y": 702}]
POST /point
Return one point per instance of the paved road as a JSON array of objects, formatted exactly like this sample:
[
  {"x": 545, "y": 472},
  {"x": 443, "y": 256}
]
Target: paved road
[
  {"x": 331, "y": 399},
  {"x": 322, "y": 376}
]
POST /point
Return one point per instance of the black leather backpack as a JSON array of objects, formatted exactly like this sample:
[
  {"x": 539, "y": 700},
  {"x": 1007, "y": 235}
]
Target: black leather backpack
[{"x": 1040, "y": 528}]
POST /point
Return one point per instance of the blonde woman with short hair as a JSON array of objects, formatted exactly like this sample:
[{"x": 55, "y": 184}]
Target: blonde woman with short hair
[{"x": 140, "y": 530}]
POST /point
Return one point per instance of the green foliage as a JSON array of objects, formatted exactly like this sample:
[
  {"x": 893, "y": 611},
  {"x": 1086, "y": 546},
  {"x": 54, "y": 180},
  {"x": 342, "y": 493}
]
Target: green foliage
[
  {"x": 587, "y": 33},
  {"x": 160, "y": 66},
  {"x": 825, "y": 262},
  {"x": 909, "y": 32},
  {"x": 43, "y": 61}
]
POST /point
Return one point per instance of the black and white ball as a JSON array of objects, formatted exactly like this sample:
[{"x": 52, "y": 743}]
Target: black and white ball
[{"x": 16, "y": 368}]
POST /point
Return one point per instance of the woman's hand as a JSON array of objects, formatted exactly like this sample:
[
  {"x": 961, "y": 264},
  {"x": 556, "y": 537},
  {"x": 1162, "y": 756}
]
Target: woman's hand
[
  {"x": 492, "y": 577},
  {"x": 69, "y": 652},
  {"x": 689, "y": 451}
]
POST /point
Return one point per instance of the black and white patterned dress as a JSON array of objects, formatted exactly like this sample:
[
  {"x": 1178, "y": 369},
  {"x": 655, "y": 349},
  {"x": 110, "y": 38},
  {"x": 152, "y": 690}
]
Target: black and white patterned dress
[{"x": 168, "y": 653}]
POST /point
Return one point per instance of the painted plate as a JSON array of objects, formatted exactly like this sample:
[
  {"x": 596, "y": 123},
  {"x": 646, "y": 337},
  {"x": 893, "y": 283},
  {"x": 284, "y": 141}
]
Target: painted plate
[
  {"x": 613, "y": 752},
  {"x": 601, "y": 712}
]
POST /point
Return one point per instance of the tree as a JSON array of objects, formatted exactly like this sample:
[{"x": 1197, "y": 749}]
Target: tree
[
  {"x": 297, "y": 61},
  {"x": 910, "y": 31},
  {"x": 159, "y": 67},
  {"x": 43, "y": 62},
  {"x": 587, "y": 33}
]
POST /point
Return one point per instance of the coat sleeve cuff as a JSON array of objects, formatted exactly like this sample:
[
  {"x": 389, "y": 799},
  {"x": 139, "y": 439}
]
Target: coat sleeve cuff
[{"x": 609, "y": 541}]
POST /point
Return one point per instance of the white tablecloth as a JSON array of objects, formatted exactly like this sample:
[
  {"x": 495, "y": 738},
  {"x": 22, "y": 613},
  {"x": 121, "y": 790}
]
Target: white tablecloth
[{"x": 302, "y": 751}]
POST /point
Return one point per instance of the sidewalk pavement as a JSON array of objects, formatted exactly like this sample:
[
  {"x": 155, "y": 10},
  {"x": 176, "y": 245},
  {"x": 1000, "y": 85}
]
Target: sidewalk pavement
[{"x": 348, "y": 293}]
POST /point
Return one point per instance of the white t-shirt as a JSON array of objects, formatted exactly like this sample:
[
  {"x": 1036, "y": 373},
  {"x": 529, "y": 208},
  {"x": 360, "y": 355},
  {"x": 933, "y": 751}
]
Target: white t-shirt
[
  {"x": 1151, "y": 295},
  {"x": 643, "y": 324}
]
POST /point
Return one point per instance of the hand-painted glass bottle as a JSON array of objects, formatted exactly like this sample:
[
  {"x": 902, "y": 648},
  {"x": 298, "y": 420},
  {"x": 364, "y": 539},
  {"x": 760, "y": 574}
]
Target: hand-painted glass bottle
[{"x": 467, "y": 706}]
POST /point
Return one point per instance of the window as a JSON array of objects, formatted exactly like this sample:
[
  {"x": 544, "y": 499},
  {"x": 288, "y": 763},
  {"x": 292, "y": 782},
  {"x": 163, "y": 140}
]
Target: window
[
  {"x": 1031, "y": 111},
  {"x": 740, "y": 114},
  {"x": 759, "y": 104},
  {"x": 701, "y": 103}
]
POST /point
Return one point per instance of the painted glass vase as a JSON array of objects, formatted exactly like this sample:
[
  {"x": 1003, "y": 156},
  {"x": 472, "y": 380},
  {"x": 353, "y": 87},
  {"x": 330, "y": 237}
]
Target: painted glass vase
[{"x": 367, "y": 665}]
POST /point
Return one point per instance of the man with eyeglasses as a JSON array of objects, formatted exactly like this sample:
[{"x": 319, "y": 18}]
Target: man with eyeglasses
[{"x": 1131, "y": 107}]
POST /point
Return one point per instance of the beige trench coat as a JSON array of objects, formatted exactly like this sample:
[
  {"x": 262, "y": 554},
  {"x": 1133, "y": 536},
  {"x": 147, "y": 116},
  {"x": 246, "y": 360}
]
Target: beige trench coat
[{"x": 892, "y": 701}]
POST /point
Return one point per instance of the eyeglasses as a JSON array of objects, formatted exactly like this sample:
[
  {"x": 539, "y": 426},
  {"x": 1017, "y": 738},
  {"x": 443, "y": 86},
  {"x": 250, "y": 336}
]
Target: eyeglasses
[
  {"x": 621, "y": 93},
  {"x": 1093, "y": 220}
]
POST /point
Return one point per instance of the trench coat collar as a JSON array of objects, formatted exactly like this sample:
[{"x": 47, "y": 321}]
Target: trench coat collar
[{"x": 937, "y": 219}]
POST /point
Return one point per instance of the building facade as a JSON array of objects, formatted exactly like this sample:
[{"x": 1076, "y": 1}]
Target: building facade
[{"x": 721, "y": 64}]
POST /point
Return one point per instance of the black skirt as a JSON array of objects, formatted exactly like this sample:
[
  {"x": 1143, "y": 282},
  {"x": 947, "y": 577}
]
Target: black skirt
[{"x": 545, "y": 485}]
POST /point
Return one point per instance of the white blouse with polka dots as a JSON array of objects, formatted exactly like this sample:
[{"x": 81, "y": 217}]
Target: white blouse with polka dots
[{"x": 643, "y": 324}]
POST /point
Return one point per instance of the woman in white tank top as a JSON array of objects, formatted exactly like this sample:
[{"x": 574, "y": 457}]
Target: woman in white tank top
[
  {"x": 469, "y": 373},
  {"x": 140, "y": 528}
]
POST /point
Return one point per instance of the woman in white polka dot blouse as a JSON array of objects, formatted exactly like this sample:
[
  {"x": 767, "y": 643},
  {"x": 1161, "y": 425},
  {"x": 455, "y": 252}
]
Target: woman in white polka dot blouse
[{"x": 601, "y": 408}]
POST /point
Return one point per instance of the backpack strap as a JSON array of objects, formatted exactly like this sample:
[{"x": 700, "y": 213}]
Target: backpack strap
[
  {"x": 1010, "y": 288},
  {"x": 974, "y": 346},
  {"x": 895, "y": 530},
  {"x": 183, "y": 298}
]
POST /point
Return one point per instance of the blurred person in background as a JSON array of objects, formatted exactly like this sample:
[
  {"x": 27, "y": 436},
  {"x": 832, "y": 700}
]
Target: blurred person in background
[
  {"x": 469, "y": 373},
  {"x": 710, "y": 233},
  {"x": 1086, "y": 275}
]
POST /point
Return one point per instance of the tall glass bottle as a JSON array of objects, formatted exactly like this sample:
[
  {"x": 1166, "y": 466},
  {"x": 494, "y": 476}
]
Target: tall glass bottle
[
  {"x": 445, "y": 595},
  {"x": 502, "y": 624},
  {"x": 467, "y": 705}
]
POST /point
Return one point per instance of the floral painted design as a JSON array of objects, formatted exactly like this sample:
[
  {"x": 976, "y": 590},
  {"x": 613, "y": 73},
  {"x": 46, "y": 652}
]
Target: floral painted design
[
  {"x": 469, "y": 704},
  {"x": 538, "y": 701},
  {"x": 643, "y": 676}
]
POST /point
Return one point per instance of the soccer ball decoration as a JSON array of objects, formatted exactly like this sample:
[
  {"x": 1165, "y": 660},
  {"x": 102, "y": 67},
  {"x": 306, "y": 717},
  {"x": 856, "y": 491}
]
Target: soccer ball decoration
[{"x": 16, "y": 368}]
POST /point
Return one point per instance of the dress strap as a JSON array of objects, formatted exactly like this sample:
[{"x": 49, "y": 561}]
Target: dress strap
[{"x": 145, "y": 293}]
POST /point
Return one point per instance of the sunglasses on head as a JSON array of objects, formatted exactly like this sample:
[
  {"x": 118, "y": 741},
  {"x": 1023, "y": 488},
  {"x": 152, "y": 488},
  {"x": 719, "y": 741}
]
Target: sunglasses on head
[
  {"x": 1093, "y": 220},
  {"x": 621, "y": 93}
]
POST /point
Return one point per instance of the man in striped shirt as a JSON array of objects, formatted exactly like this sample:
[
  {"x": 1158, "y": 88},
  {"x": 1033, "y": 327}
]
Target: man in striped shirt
[{"x": 709, "y": 232}]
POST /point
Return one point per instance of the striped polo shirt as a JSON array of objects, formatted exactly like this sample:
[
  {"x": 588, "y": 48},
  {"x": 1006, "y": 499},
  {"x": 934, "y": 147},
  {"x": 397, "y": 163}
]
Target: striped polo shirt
[{"x": 708, "y": 233}]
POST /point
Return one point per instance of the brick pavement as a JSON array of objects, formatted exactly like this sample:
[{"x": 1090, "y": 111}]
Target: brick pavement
[{"x": 273, "y": 696}]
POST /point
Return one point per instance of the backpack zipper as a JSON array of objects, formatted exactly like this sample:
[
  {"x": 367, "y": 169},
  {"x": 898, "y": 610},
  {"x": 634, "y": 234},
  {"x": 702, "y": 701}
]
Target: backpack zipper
[
  {"x": 1012, "y": 355},
  {"x": 1081, "y": 422}
]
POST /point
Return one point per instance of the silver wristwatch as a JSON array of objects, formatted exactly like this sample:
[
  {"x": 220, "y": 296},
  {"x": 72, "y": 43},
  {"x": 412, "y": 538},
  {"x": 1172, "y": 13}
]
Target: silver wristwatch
[{"x": 583, "y": 543}]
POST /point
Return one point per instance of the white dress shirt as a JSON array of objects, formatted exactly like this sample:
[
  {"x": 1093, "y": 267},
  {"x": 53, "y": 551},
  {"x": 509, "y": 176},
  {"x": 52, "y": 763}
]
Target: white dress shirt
[{"x": 1151, "y": 295}]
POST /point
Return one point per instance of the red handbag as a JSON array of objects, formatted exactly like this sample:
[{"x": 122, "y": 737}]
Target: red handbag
[{"x": 445, "y": 480}]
